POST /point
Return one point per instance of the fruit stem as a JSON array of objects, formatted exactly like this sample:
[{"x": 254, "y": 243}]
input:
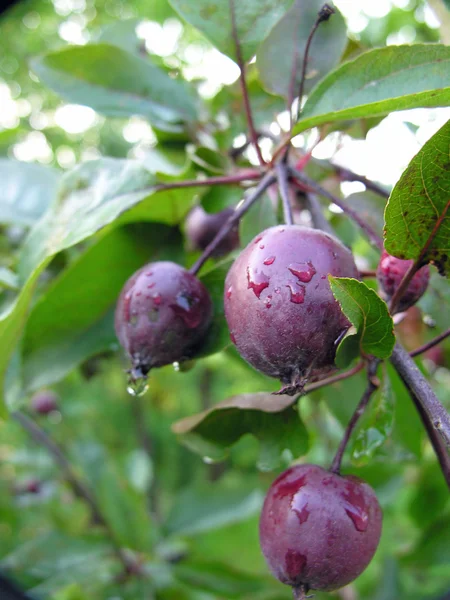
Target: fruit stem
[
  {"x": 434, "y": 342},
  {"x": 312, "y": 185},
  {"x": 282, "y": 178},
  {"x": 311, "y": 387},
  {"x": 372, "y": 385},
  {"x": 421, "y": 391},
  {"x": 243, "y": 83},
  {"x": 323, "y": 15},
  {"x": 266, "y": 181},
  {"x": 299, "y": 592},
  {"x": 347, "y": 175},
  {"x": 79, "y": 488},
  {"x": 418, "y": 262}
]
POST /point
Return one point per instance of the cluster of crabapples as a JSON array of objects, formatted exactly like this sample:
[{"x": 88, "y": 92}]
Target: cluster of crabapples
[{"x": 318, "y": 529}]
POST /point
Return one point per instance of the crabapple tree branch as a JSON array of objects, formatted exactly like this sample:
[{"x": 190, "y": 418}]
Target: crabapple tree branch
[
  {"x": 266, "y": 181},
  {"x": 434, "y": 342},
  {"x": 348, "y": 175},
  {"x": 310, "y": 184},
  {"x": 372, "y": 385},
  {"x": 243, "y": 82},
  {"x": 421, "y": 391},
  {"x": 282, "y": 178},
  {"x": 317, "y": 216}
]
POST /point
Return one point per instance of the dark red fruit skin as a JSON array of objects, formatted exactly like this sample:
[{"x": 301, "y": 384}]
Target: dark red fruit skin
[
  {"x": 44, "y": 402},
  {"x": 390, "y": 272},
  {"x": 280, "y": 310},
  {"x": 319, "y": 529},
  {"x": 202, "y": 227},
  {"x": 162, "y": 313}
]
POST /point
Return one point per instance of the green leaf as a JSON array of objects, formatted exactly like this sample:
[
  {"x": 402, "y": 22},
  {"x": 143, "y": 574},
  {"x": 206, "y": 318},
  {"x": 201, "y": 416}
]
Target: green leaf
[
  {"x": 117, "y": 84},
  {"x": 254, "y": 20},
  {"x": 380, "y": 81},
  {"x": 205, "y": 508},
  {"x": 367, "y": 313},
  {"x": 431, "y": 497},
  {"x": 375, "y": 425},
  {"x": 286, "y": 44},
  {"x": 271, "y": 419},
  {"x": 419, "y": 205},
  {"x": 8, "y": 279},
  {"x": 27, "y": 190},
  {"x": 122, "y": 33},
  {"x": 433, "y": 546},
  {"x": 91, "y": 197}
]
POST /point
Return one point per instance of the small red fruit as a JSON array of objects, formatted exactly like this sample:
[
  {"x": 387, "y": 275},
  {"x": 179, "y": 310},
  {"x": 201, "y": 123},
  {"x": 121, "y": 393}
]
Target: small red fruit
[
  {"x": 279, "y": 307},
  {"x": 44, "y": 402},
  {"x": 390, "y": 272},
  {"x": 162, "y": 314},
  {"x": 319, "y": 530},
  {"x": 202, "y": 227}
]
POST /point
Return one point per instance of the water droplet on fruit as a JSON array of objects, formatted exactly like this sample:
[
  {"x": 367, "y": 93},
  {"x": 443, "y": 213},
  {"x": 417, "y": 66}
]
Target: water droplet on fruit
[
  {"x": 303, "y": 271},
  {"x": 157, "y": 299},
  {"x": 126, "y": 306},
  {"x": 290, "y": 488},
  {"x": 257, "y": 281},
  {"x": 149, "y": 273},
  {"x": 187, "y": 309},
  {"x": 151, "y": 285},
  {"x": 355, "y": 507},
  {"x": 269, "y": 260},
  {"x": 262, "y": 246},
  {"x": 137, "y": 387},
  {"x": 268, "y": 302},
  {"x": 229, "y": 291},
  {"x": 297, "y": 294},
  {"x": 258, "y": 239}
]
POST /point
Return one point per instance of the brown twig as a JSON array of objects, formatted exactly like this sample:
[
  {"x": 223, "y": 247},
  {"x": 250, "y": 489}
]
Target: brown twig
[
  {"x": 311, "y": 387},
  {"x": 434, "y": 342},
  {"x": 79, "y": 488},
  {"x": 243, "y": 82},
  {"x": 418, "y": 386},
  {"x": 372, "y": 385},
  {"x": 312, "y": 185},
  {"x": 237, "y": 178},
  {"x": 347, "y": 175},
  {"x": 282, "y": 178},
  {"x": 265, "y": 182},
  {"x": 417, "y": 264},
  {"x": 365, "y": 274}
]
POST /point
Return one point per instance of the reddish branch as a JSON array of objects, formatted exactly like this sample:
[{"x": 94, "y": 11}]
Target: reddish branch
[
  {"x": 372, "y": 385},
  {"x": 434, "y": 342},
  {"x": 265, "y": 182},
  {"x": 243, "y": 82}
]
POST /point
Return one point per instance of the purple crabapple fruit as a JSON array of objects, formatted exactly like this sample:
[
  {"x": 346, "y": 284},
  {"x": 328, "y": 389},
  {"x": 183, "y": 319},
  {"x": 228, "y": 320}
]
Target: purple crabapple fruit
[
  {"x": 44, "y": 402},
  {"x": 281, "y": 313},
  {"x": 202, "y": 227},
  {"x": 162, "y": 314},
  {"x": 319, "y": 530},
  {"x": 390, "y": 272}
]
